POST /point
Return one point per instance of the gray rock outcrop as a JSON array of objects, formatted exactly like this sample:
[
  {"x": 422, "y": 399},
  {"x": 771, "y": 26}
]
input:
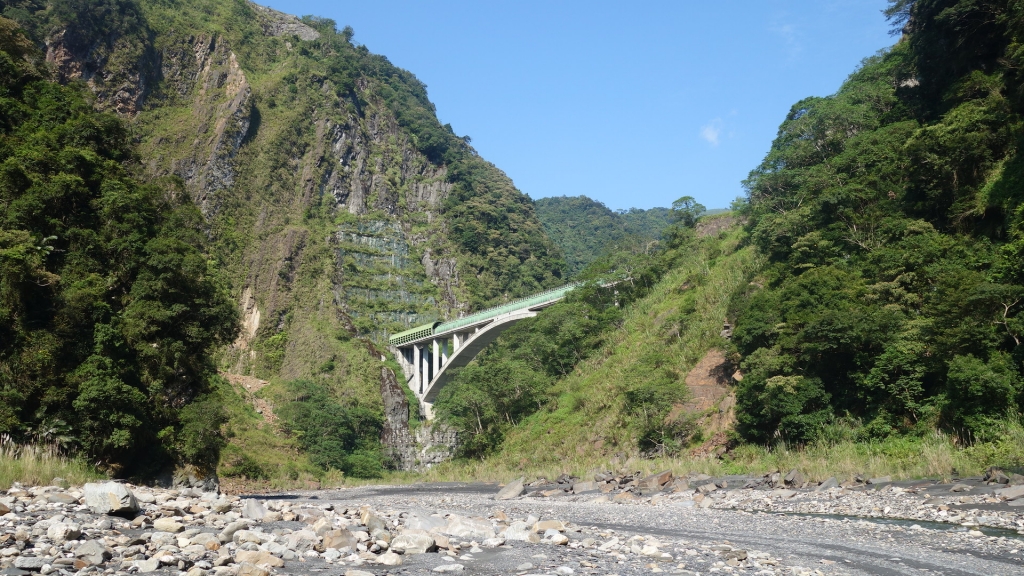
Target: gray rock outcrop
[
  {"x": 511, "y": 490},
  {"x": 431, "y": 444},
  {"x": 110, "y": 498}
]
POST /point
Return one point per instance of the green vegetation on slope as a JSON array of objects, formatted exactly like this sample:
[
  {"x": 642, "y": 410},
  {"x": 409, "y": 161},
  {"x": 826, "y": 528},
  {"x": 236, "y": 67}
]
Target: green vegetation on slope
[
  {"x": 877, "y": 299},
  {"x": 335, "y": 436},
  {"x": 338, "y": 207},
  {"x": 890, "y": 215},
  {"x": 586, "y": 229},
  {"x": 605, "y": 369},
  {"x": 621, "y": 398},
  {"x": 109, "y": 307},
  {"x": 256, "y": 449}
]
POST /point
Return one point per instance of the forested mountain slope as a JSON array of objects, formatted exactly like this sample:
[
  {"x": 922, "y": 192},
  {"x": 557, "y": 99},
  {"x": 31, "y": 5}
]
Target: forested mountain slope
[
  {"x": 110, "y": 310},
  {"x": 586, "y": 229},
  {"x": 890, "y": 214},
  {"x": 609, "y": 369},
  {"x": 311, "y": 158},
  {"x": 875, "y": 291},
  {"x": 336, "y": 205}
]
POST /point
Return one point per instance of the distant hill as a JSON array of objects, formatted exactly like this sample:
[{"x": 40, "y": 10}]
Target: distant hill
[{"x": 585, "y": 229}]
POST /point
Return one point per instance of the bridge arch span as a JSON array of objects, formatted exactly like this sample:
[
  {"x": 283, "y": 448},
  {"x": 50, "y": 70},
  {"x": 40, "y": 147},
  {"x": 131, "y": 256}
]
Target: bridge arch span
[
  {"x": 469, "y": 350},
  {"x": 429, "y": 353}
]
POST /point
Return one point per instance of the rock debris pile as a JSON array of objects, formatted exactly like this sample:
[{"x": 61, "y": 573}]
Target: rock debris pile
[
  {"x": 112, "y": 528},
  {"x": 791, "y": 492},
  {"x": 118, "y": 529}
]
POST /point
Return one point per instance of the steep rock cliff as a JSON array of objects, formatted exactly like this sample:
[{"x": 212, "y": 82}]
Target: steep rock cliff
[{"x": 340, "y": 208}]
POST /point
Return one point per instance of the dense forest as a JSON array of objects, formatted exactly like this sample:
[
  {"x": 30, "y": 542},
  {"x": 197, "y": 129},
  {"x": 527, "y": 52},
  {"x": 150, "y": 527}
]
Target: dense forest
[
  {"x": 586, "y": 229},
  {"x": 890, "y": 215},
  {"x": 110, "y": 308}
]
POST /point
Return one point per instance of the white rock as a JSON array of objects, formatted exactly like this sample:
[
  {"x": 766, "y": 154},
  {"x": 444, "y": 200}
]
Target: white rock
[
  {"x": 413, "y": 543},
  {"x": 110, "y": 498},
  {"x": 168, "y": 525},
  {"x": 418, "y": 519},
  {"x": 511, "y": 490},
  {"x": 253, "y": 510},
  {"x": 469, "y": 527},
  {"x": 31, "y": 562},
  {"x": 145, "y": 497},
  {"x": 60, "y": 532},
  {"x": 150, "y": 565},
  {"x": 521, "y": 532},
  {"x": 301, "y": 540}
]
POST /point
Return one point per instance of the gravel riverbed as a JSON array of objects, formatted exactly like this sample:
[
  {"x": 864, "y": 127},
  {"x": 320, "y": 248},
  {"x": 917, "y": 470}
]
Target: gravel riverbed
[{"x": 611, "y": 525}]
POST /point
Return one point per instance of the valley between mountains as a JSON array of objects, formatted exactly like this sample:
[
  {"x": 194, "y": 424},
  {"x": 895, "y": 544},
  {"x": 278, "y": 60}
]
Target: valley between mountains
[{"x": 214, "y": 217}]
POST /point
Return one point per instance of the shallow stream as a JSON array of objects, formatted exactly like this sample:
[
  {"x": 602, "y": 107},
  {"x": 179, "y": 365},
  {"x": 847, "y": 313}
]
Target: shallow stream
[{"x": 929, "y": 524}]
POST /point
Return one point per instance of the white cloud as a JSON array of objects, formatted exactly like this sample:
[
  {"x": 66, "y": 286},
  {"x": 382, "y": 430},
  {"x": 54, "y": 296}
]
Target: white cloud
[
  {"x": 791, "y": 39},
  {"x": 712, "y": 131}
]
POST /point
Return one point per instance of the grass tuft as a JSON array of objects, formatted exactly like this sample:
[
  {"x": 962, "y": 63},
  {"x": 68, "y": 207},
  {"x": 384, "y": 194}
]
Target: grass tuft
[
  {"x": 34, "y": 465},
  {"x": 936, "y": 455}
]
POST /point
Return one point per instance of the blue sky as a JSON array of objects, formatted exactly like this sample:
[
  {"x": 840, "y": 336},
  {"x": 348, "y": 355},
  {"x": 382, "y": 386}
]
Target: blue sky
[{"x": 630, "y": 103}]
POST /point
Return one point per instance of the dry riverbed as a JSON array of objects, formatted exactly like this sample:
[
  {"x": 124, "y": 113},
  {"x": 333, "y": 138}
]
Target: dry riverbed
[{"x": 611, "y": 524}]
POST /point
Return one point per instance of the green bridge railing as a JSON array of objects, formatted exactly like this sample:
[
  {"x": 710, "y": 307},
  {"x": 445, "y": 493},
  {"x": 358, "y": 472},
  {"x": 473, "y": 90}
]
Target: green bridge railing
[{"x": 427, "y": 330}]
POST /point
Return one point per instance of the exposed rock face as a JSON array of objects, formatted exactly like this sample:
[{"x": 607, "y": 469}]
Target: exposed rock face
[
  {"x": 205, "y": 69},
  {"x": 430, "y": 445},
  {"x": 395, "y": 433},
  {"x": 189, "y": 476},
  {"x": 708, "y": 381},
  {"x": 276, "y": 23},
  {"x": 84, "y": 52},
  {"x": 714, "y": 226},
  {"x": 250, "y": 320}
]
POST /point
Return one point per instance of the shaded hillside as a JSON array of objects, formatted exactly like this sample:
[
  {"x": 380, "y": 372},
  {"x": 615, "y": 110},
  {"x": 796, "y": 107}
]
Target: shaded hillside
[
  {"x": 110, "y": 312},
  {"x": 586, "y": 229}
]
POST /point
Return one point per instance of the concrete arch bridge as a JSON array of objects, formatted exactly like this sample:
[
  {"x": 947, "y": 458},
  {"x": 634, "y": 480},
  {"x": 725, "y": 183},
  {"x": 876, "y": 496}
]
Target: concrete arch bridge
[{"x": 430, "y": 352}]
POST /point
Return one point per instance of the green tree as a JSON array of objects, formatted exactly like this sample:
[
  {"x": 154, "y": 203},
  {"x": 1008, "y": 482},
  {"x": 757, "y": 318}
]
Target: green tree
[
  {"x": 110, "y": 309},
  {"x": 686, "y": 210}
]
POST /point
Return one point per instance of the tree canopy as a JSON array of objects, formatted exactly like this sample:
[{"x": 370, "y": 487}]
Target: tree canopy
[
  {"x": 109, "y": 305},
  {"x": 890, "y": 213}
]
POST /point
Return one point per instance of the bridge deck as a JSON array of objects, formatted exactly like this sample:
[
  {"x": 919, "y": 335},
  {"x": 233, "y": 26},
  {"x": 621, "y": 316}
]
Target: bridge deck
[
  {"x": 430, "y": 352},
  {"x": 428, "y": 332}
]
